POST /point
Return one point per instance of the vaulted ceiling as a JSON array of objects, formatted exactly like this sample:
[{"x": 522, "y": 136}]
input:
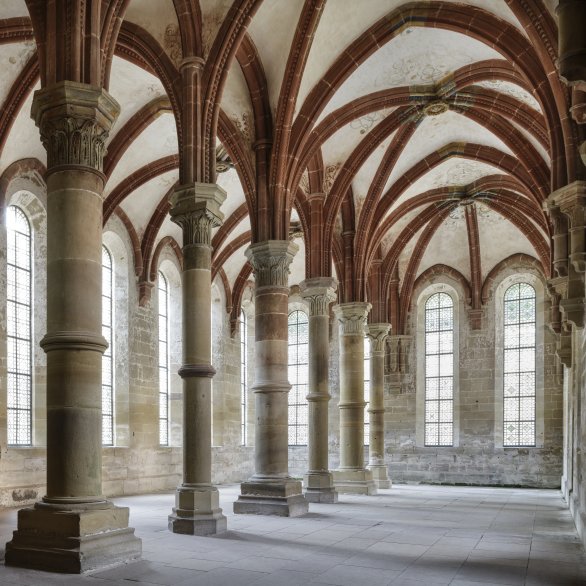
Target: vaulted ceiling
[{"x": 435, "y": 130}]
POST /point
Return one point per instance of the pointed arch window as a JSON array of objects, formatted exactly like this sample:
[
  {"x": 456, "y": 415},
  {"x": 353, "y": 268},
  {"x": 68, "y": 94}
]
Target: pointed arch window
[
  {"x": 439, "y": 370},
  {"x": 243, "y": 376},
  {"x": 366, "y": 390},
  {"x": 19, "y": 327},
  {"x": 163, "y": 311},
  {"x": 298, "y": 377},
  {"x": 108, "y": 356},
  {"x": 519, "y": 366}
]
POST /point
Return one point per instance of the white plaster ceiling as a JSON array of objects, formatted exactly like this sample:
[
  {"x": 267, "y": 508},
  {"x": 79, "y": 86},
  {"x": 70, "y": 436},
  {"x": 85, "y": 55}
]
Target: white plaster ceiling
[
  {"x": 297, "y": 268},
  {"x": 510, "y": 239},
  {"x": 435, "y": 132},
  {"x": 13, "y": 8},
  {"x": 407, "y": 253},
  {"x": 242, "y": 227},
  {"x": 13, "y": 58},
  {"x": 213, "y": 13},
  {"x": 416, "y": 56},
  {"x": 160, "y": 20},
  {"x": 451, "y": 172},
  {"x": 449, "y": 245},
  {"x": 234, "y": 264},
  {"x": 132, "y": 87},
  {"x": 236, "y": 102},
  {"x": 168, "y": 228},
  {"x": 142, "y": 202},
  {"x": 230, "y": 182},
  {"x": 24, "y": 141},
  {"x": 158, "y": 140},
  {"x": 272, "y": 29},
  {"x": 531, "y": 138},
  {"x": 511, "y": 89}
]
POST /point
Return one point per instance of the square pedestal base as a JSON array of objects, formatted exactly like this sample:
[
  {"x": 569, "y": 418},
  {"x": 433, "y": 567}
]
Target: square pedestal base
[
  {"x": 72, "y": 541},
  {"x": 197, "y": 512},
  {"x": 352, "y": 481},
  {"x": 319, "y": 487},
  {"x": 380, "y": 475},
  {"x": 282, "y": 498}
]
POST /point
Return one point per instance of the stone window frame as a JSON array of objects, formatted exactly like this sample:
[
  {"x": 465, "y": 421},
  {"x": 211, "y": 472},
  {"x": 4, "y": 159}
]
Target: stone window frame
[
  {"x": 30, "y": 197},
  {"x": 501, "y": 286},
  {"x": 169, "y": 266},
  {"x": 422, "y": 299},
  {"x": 115, "y": 239}
]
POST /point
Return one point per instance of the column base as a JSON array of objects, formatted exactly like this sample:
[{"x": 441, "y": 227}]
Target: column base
[
  {"x": 72, "y": 541},
  {"x": 319, "y": 487},
  {"x": 281, "y": 497},
  {"x": 197, "y": 511},
  {"x": 354, "y": 481},
  {"x": 380, "y": 475}
]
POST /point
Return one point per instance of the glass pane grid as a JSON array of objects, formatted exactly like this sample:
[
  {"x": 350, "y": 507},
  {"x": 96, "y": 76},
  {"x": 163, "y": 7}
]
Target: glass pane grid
[
  {"x": 243, "y": 376},
  {"x": 107, "y": 357},
  {"x": 439, "y": 371},
  {"x": 163, "y": 312},
  {"x": 298, "y": 347},
  {"x": 366, "y": 391},
  {"x": 19, "y": 327},
  {"x": 519, "y": 366}
]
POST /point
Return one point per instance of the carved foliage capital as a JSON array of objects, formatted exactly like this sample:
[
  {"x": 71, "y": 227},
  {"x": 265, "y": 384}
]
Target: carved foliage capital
[
  {"x": 377, "y": 334},
  {"x": 74, "y": 120},
  {"x": 271, "y": 260},
  {"x": 196, "y": 209},
  {"x": 319, "y": 293},
  {"x": 352, "y": 317}
]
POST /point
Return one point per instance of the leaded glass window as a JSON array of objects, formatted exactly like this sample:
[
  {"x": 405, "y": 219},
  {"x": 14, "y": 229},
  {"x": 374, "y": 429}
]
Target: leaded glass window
[
  {"x": 19, "y": 327},
  {"x": 519, "y": 366},
  {"x": 243, "y": 376},
  {"x": 439, "y": 370},
  {"x": 163, "y": 295},
  {"x": 107, "y": 357},
  {"x": 298, "y": 377},
  {"x": 366, "y": 390}
]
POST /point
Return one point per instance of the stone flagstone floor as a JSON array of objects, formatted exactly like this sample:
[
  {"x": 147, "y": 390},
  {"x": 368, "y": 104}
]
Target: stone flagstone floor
[{"x": 406, "y": 536}]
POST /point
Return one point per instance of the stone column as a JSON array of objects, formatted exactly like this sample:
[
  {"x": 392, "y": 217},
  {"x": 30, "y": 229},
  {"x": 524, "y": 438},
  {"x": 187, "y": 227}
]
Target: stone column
[
  {"x": 196, "y": 208},
  {"x": 74, "y": 528},
  {"x": 271, "y": 491},
  {"x": 319, "y": 484},
  {"x": 352, "y": 476},
  {"x": 376, "y": 408}
]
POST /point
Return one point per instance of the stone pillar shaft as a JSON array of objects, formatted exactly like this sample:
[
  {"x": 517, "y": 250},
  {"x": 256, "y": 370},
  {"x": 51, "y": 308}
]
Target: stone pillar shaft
[
  {"x": 271, "y": 490},
  {"x": 74, "y": 528},
  {"x": 376, "y": 409},
  {"x": 351, "y": 475},
  {"x": 196, "y": 208},
  {"x": 319, "y": 293}
]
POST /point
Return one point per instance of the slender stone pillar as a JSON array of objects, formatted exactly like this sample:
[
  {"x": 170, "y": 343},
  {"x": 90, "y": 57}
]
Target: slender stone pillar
[
  {"x": 376, "y": 463},
  {"x": 352, "y": 476},
  {"x": 74, "y": 528},
  {"x": 271, "y": 491},
  {"x": 319, "y": 484},
  {"x": 196, "y": 208}
]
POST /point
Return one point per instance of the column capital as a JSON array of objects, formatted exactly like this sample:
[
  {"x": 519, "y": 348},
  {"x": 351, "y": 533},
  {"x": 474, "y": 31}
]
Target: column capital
[
  {"x": 196, "y": 208},
  {"x": 352, "y": 317},
  {"x": 378, "y": 334},
  {"x": 571, "y": 200},
  {"x": 271, "y": 260},
  {"x": 318, "y": 293},
  {"x": 74, "y": 120}
]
